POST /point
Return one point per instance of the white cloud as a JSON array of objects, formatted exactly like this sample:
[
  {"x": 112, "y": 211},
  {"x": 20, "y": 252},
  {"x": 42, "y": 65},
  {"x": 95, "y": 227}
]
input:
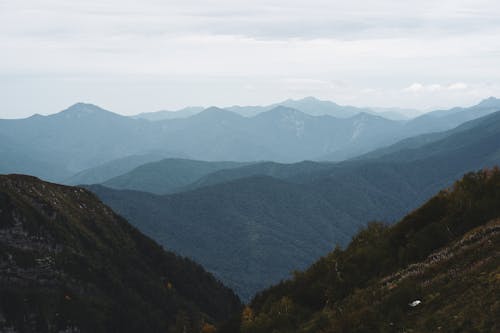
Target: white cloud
[
  {"x": 216, "y": 49},
  {"x": 415, "y": 87},
  {"x": 457, "y": 86},
  {"x": 418, "y": 87}
]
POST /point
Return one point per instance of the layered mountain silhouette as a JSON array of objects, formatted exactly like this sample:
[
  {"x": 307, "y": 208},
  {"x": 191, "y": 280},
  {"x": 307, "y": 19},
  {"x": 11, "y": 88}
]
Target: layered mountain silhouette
[
  {"x": 68, "y": 263},
  {"x": 78, "y": 138},
  {"x": 166, "y": 114},
  {"x": 280, "y": 217},
  {"x": 85, "y": 136},
  {"x": 308, "y": 105}
]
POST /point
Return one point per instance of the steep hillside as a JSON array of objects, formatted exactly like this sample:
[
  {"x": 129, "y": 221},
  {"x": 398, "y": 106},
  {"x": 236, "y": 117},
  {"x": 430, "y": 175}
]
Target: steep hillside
[
  {"x": 69, "y": 263},
  {"x": 167, "y": 175},
  {"x": 436, "y": 270},
  {"x": 240, "y": 231}
]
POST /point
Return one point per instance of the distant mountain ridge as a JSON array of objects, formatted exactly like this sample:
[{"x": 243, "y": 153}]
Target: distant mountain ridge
[
  {"x": 85, "y": 136},
  {"x": 308, "y": 105},
  {"x": 166, "y": 114}
]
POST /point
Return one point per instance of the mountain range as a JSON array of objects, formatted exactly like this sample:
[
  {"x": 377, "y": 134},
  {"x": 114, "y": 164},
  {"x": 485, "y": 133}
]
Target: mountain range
[
  {"x": 255, "y": 195},
  {"x": 84, "y": 137},
  {"x": 308, "y": 105},
  {"x": 280, "y": 217}
]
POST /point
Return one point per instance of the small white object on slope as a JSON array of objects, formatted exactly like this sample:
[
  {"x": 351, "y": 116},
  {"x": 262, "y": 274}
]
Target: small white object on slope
[{"x": 415, "y": 303}]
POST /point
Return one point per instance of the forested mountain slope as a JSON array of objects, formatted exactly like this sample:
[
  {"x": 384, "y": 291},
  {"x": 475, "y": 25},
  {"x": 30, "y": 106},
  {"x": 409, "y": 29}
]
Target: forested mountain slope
[
  {"x": 438, "y": 269},
  {"x": 168, "y": 175},
  {"x": 69, "y": 263},
  {"x": 249, "y": 233}
]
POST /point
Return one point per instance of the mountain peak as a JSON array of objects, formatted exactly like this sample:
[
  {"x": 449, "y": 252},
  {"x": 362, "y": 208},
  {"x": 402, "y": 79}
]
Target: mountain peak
[
  {"x": 214, "y": 111},
  {"x": 490, "y": 102},
  {"x": 80, "y": 110},
  {"x": 84, "y": 108},
  {"x": 307, "y": 99},
  {"x": 282, "y": 110},
  {"x": 312, "y": 99}
]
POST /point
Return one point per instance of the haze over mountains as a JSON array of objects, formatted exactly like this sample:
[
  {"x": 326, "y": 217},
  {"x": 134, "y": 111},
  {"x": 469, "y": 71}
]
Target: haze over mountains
[
  {"x": 308, "y": 105},
  {"x": 250, "y": 166},
  {"x": 280, "y": 217},
  {"x": 253, "y": 197},
  {"x": 58, "y": 146}
]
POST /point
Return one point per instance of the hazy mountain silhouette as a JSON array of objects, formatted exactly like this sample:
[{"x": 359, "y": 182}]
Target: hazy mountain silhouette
[
  {"x": 112, "y": 169},
  {"x": 325, "y": 204},
  {"x": 85, "y": 136}
]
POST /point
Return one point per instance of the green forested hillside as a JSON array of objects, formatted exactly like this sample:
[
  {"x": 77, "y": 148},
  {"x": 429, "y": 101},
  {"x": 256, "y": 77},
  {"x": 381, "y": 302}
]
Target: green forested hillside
[
  {"x": 437, "y": 270},
  {"x": 69, "y": 263},
  {"x": 250, "y": 232},
  {"x": 273, "y": 169},
  {"x": 167, "y": 176}
]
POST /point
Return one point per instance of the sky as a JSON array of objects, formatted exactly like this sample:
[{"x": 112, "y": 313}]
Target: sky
[{"x": 132, "y": 56}]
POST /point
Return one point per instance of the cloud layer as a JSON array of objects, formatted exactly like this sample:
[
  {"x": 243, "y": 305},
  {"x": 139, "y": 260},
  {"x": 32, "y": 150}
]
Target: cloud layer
[{"x": 134, "y": 56}]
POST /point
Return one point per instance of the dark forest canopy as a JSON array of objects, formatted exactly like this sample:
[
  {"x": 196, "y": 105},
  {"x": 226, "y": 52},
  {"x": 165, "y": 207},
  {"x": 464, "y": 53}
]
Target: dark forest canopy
[{"x": 436, "y": 270}]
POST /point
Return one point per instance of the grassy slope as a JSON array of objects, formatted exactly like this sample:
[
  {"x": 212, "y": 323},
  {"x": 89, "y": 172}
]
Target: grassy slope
[
  {"x": 67, "y": 260},
  {"x": 445, "y": 254}
]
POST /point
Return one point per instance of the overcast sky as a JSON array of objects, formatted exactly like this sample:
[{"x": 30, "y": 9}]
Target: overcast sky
[{"x": 132, "y": 56}]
